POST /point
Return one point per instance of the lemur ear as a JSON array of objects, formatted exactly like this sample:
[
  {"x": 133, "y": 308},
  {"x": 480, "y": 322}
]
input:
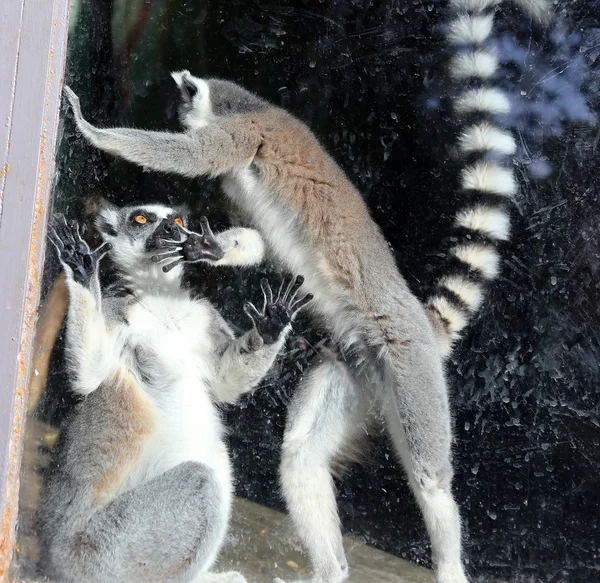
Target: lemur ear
[
  {"x": 107, "y": 220},
  {"x": 189, "y": 86}
]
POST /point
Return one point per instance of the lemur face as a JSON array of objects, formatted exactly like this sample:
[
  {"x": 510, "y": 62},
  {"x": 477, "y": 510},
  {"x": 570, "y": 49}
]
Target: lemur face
[
  {"x": 202, "y": 99},
  {"x": 138, "y": 232}
]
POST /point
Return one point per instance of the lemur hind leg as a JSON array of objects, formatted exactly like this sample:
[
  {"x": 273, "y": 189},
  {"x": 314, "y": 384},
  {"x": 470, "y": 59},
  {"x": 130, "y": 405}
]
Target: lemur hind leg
[
  {"x": 419, "y": 427},
  {"x": 326, "y": 416},
  {"x": 163, "y": 530}
]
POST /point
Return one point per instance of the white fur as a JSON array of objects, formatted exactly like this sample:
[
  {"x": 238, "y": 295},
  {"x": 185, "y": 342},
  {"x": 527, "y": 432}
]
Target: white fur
[
  {"x": 489, "y": 221},
  {"x": 327, "y": 393},
  {"x": 200, "y": 114},
  {"x": 487, "y": 177},
  {"x": 89, "y": 345},
  {"x": 541, "y": 10},
  {"x": 287, "y": 242},
  {"x": 470, "y": 29},
  {"x": 490, "y": 100},
  {"x": 455, "y": 319},
  {"x": 469, "y": 292},
  {"x": 241, "y": 247},
  {"x": 484, "y": 137},
  {"x": 176, "y": 330},
  {"x": 478, "y": 63},
  {"x": 473, "y": 5},
  {"x": 479, "y": 257}
]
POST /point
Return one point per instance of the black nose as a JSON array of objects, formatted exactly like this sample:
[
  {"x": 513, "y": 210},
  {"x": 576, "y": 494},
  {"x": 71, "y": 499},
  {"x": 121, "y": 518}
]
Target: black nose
[{"x": 169, "y": 228}]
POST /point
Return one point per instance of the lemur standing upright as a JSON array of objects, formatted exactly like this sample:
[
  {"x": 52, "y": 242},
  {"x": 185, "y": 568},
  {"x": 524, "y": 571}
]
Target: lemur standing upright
[
  {"x": 142, "y": 487},
  {"x": 391, "y": 347}
]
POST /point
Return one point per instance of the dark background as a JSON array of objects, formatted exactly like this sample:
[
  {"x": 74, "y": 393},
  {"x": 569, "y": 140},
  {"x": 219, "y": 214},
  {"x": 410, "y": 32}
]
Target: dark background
[{"x": 368, "y": 77}]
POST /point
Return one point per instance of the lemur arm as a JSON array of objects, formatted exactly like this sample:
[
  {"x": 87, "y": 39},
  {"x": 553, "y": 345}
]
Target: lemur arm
[
  {"x": 247, "y": 359},
  {"x": 88, "y": 345},
  {"x": 206, "y": 151}
]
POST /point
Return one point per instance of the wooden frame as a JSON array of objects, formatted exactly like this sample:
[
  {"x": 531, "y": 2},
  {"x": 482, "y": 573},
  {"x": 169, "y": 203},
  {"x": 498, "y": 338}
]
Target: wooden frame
[{"x": 33, "y": 36}]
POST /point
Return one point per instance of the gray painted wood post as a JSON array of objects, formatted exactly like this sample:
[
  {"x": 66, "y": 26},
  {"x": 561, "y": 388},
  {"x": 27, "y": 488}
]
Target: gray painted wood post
[{"x": 33, "y": 37}]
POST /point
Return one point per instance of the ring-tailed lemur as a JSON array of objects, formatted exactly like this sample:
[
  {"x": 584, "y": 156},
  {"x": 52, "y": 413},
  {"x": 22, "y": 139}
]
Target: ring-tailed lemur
[
  {"x": 142, "y": 486},
  {"x": 392, "y": 348}
]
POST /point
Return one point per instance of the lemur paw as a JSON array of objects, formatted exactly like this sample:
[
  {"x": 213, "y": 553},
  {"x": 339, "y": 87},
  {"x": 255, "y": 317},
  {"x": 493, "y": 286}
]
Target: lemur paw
[
  {"x": 77, "y": 260},
  {"x": 201, "y": 246},
  {"x": 279, "y": 312}
]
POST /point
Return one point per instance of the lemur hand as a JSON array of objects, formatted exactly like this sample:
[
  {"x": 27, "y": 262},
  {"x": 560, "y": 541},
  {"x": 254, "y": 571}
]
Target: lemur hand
[
  {"x": 201, "y": 246},
  {"x": 74, "y": 253},
  {"x": 277, "y": 313}
]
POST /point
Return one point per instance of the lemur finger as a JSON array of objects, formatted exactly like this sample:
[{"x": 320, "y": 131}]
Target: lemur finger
[
  {"x": 182, "y": 228},
  {"x": 287, "y": 291},
  {"x": 293, "y": 288},
  {"x": 206, "y": 230},
  {"x": 168, "y": 268},
  {"x": 300, "y": 304},
  {"x": 56, "y": 240},
  {"x": 267, "y": 293},
  {"x": 59, "y": 226},
  {"x": 65, "y": 231},
  {"x": 83, "y": 246},
  {"x": 172, "y": 252},
  {"x": 168, "y": 243},
  {"x": 280, "y": 290},
  {"x": 252, "y": 313},
  {"x": 102, "y": 251}
]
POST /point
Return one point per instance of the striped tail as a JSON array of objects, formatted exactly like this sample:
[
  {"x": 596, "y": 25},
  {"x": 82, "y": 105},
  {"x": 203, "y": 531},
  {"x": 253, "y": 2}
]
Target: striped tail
[{"x": 487, "y": 181}]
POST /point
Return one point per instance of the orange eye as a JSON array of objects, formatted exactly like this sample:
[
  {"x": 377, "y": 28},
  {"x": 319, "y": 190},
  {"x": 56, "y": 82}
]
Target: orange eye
[
  {"x": 141, "y": 219},
  {"x": 179, "y": 221}
]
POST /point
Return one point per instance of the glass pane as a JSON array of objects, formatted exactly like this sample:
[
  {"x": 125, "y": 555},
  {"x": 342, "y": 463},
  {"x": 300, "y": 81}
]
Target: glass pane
[{"x": 371, "y": 81}]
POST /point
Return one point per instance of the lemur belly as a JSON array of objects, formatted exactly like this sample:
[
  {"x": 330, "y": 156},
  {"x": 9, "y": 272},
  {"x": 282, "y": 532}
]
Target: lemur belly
[
  {"x": 189, "y": 427},
  {"x": 283, "y": 234}
]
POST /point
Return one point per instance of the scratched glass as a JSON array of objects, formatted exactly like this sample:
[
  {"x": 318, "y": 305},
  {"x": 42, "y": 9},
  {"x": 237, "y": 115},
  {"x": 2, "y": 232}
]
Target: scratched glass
[{"x": 367, "y": 78}]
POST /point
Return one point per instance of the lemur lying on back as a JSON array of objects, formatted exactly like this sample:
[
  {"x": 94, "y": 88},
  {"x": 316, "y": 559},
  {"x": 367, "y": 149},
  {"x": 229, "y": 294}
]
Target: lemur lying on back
[
  {"x": 142, "y": 487},
  {"x": 391, "y": 347}
]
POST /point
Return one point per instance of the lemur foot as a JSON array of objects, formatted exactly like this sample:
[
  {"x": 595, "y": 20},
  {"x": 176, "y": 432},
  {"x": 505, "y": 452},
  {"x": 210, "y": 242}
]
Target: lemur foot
[
  {"x": 279, "y": 312},
  {"x": 74, "y": 253},
  {"x": 201, "y": 246}
]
